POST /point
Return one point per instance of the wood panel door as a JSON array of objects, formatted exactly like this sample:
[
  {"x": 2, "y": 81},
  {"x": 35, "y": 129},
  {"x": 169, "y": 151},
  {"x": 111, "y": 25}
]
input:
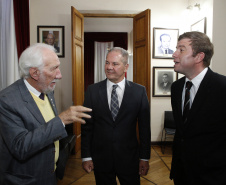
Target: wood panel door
[
  {"x": 77, "y": 38},
  {"x": 141, "y": 49}
]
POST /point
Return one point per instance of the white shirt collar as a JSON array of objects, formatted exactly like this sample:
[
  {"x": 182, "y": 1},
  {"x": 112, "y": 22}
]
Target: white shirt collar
[
  {"x": 31, "y": 88},
  {"x": 121, "y": 84},
  {"x": 198, "y": 79}
]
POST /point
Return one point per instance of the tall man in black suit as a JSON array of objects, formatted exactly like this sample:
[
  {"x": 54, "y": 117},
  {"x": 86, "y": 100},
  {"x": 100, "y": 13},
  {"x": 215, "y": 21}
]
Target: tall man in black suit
[
  {"x": 199, "y": 150},
  {"x": 30, "y": 128},
  {"x": 109, "y": 141}
]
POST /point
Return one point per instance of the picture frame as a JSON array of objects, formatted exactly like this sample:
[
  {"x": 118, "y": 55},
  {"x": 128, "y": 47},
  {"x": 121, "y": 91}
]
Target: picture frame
[
  {"x": 199, "y": 26},
  {"x": 163, "y": 77},
  {"x": 164, "y": 42},
  {"x": 52, "y": 35}
]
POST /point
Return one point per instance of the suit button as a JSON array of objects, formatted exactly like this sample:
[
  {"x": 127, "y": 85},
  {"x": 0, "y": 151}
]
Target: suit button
[{"x": 182, "y": 140}]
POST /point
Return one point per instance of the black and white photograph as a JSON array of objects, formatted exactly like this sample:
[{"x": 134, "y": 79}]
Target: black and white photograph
[
  {"x": 52, "y": 35},
  {"x": 163, "y": 77},
  {"x": 164, "y": 42}
]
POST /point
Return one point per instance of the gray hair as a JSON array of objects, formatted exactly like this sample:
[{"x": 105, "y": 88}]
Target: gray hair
[
  {"x": 32, "y": 57},
  {"x": 123, "y": 52}
]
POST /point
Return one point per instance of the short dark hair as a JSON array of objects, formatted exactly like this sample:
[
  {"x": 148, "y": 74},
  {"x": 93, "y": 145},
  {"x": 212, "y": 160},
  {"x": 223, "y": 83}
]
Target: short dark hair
[
  {"x": 200, "y": 42},
  {"x": 164, "y": 34}
]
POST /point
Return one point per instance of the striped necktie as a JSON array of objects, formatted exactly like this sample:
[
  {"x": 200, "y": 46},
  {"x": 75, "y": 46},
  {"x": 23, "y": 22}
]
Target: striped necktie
[
  {"x": 187, "y": 101},
  {"x": 114, "y": 102}
]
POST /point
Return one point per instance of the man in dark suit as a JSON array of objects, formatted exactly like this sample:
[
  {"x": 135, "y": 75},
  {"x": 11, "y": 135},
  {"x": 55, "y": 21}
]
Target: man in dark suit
[
  {"x": 30, "y": 129},
  {"x": 165, "y": 40},
  {"x": 199, "y": 150},
  {"x": 165, "y": 85},
  {"x": 109, "y": 141}
]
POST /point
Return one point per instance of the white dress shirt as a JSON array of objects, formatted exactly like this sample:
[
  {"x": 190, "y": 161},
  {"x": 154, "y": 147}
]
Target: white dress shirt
[
  {"x": 119, "y": 91},
  {"x": 196, "y": 83},
  {"x": 32, "y": 89}
]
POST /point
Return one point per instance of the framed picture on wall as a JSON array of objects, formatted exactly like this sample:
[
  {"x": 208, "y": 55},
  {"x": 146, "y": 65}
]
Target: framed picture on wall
[
  {"x": 199, "y": 26},
  {"x": 163, "y": 77},
  {"x": 52, "y": 35},
  {"x": 164, "y": 42}
]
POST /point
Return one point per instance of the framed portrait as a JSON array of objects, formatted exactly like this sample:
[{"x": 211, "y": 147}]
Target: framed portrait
[
  {"x": 164, "y": 42},
  {"x": 52, "y": 35},
  {"x": 163, "y": 77},
  {"x": 199, "y": 26}
]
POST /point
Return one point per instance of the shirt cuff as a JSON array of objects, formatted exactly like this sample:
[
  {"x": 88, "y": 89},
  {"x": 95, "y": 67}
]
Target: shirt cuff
[
  {"x": 87, "y": 159},
  {"x": 144, "y": 159}
]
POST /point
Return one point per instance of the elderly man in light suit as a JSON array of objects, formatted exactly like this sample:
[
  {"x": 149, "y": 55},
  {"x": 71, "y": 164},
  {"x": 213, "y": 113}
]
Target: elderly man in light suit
[{"x": 30, "y": 129}]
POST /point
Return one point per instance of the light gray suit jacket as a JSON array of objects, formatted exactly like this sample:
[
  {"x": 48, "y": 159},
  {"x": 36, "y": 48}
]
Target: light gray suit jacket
[{"x": 27, "y": 149}]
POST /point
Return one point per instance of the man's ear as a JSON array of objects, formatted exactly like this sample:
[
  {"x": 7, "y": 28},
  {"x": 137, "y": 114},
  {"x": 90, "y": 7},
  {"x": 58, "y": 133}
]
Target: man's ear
[
  {"x": 126, "y": 67},
  {"x": 34, "y": 73},
  {"x": 200, "y": 56}
]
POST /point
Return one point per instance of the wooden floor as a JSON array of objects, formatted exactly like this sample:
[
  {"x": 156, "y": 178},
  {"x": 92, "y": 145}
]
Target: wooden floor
[{"x": 158, "y": 173}]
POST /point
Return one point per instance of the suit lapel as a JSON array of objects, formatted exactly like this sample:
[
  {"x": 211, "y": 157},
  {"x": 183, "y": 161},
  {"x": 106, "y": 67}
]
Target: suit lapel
[
  {"x": 29, "y": 102},
  {"x": 126, "y": 98},
  {"x": 178, "y": 92},
  {"x": 103, "y": 97},
  {"x": 52, "y": 102},
  {"x": 201, "y": 95}
]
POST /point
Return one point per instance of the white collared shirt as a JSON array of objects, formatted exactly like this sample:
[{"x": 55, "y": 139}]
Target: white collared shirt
[
  {"x": 119, "y": 90},
  {"x": 32, "y": 89},
  {"x": 196, "y": 83}
]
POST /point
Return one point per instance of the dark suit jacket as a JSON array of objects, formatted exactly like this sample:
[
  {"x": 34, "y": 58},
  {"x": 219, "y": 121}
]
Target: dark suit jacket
[
  {"x": 200, "y": 143},
  {"x": 114, "y": 145},
  {"x": 26, "y": 141}
]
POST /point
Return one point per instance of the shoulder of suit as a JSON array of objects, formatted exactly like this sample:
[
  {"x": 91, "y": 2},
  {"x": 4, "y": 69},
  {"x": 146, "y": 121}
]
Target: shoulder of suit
[
  {"x": 12, "y": 89},
  {"x": 97, "y": 85},
  {"x": 218, "y": 78},
  {"x": 133, "y": 84}
]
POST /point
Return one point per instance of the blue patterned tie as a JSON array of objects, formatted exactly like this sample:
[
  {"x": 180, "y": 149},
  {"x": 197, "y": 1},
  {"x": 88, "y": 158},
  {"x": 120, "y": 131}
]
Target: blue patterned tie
[
  {"x": 187, "y": 101},
  {"x": 114, "y": 102}
]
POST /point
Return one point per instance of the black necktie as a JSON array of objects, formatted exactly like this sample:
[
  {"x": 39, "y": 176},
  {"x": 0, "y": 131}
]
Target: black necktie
[
  {"x": 166, "y": 51},
  {"x": 114, "y": 102},
  {"x": 187, "y": 101},
  {"x": 41, "y": 96}
]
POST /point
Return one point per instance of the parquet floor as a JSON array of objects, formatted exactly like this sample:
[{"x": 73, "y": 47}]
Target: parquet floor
[{"x": 158, "y": 173}]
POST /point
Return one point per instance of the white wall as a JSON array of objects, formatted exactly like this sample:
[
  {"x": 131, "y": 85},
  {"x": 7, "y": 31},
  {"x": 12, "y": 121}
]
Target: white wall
[
  {"x": 164, "y": 14},
  {"x": 219, "y": 41}
]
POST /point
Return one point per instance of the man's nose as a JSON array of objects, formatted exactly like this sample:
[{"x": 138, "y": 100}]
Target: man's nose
[
  {"x": 58, "y": 75},
  {"x": 175, "y": 54},
  {"x": 109, "y": 66}
]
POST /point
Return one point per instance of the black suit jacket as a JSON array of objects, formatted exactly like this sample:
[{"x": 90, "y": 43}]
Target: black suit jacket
[
  {"x": 114, "y": 145},
  {"x": 27, "y": 149},
  {"x": 200, "y": 143}
]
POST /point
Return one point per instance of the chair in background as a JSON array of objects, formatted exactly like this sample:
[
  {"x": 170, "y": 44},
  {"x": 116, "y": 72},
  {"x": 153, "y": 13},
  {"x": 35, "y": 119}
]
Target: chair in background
[{"x": 168, "y": 129}]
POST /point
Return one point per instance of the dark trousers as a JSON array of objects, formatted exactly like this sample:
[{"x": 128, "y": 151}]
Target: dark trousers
[{"x": 110, "y": 178}]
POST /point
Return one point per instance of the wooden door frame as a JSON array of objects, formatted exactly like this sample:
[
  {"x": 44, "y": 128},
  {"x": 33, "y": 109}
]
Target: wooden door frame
[
  {"x": 86, "y": 15},
  {"x": 93, "y": 15}
]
